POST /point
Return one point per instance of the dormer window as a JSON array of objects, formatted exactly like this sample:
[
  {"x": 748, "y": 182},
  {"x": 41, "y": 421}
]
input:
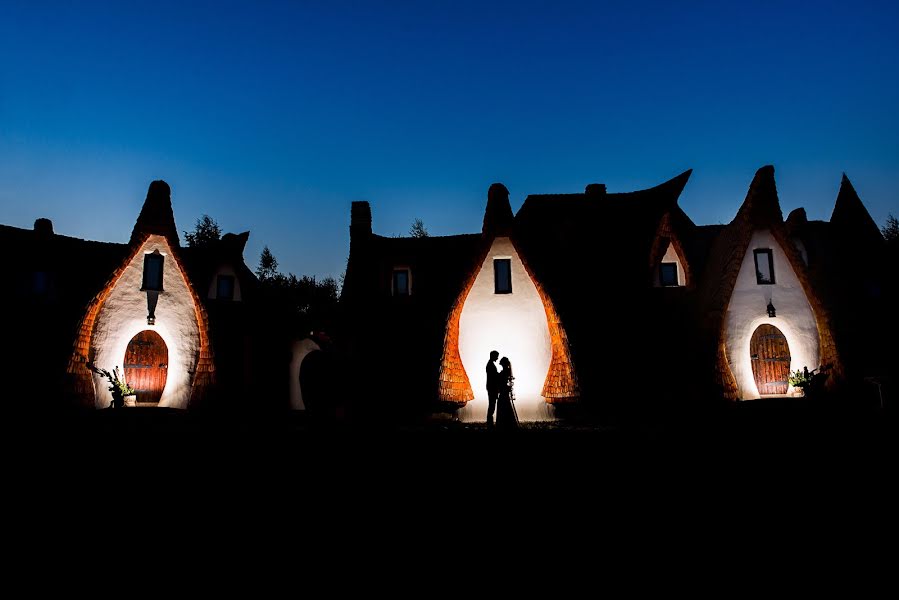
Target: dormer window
[
  {"x": 668, "y": 274},
  {"x": 153, "y": 264},
  {"x": 224, "y": 287},
  {"x": 401, "y": 282},
  {"x": 764, "y": 266},
  {"x": 502, "y": 275},
  {"x": 41, "y": 283},
  {"x": 671, "y": 268}
]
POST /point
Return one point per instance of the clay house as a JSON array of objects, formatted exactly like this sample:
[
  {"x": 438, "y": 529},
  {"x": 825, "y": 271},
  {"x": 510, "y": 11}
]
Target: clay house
[
  {"x": 759, "y": 306},
  {"x": 423, "y": 314},
  {"x": 174, "y": 320},
  {"x": 852, "y": 271},
  {"x": 426, "y": 312},
  {"x": 614, "y": 302},
  {"x": 617, "y": 301}
]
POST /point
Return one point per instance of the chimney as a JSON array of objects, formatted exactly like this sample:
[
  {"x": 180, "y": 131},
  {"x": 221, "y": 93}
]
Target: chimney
[
  {"x": 43, "y": 227},
  {"x": 360, "y": 219},
  {"x": 595, "y": 190},
  {"x": 796, "y": 219}
]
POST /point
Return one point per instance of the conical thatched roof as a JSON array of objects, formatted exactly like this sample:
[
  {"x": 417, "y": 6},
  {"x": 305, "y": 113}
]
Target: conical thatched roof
[
  {"x": 850, "y": 217},
  {"x": 156, "y": 215}
]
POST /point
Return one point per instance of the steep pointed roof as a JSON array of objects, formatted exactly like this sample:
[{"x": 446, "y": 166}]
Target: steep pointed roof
[
  {"x": 762, "y": 206},
  {"x": 498, "y": 216},
  {"x": 760, "y": 210},
  {"x": 156, "y": 216},
  {"x": 851, "y": 217}
]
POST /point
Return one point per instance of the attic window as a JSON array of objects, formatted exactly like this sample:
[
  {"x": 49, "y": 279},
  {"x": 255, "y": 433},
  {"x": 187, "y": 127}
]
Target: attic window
[
  {"x": 224, "y": 287},
  {"x": 153, "y": 264},
  {"x": 41, "y": 283},
  {"x": 668, "y": 274},
  {"x": 764, "y": 266},
  {"x": 502, "y": 275},
  {"x": 400, "y": 284}
]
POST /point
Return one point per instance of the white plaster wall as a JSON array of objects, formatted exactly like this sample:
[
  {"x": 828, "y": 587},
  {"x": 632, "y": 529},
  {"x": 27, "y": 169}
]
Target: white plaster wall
[
  {"x": 512, "y": 324},
  {"x": 670, "y": 256},
  {"x": 213, "y": 285},
  {"x": 748, "y": 309},
  {"x": 124, "y": 314},
  {"x": 299, "y": 351}
]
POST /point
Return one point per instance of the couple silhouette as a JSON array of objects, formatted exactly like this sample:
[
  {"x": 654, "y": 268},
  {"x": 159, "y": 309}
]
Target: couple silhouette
[{"x": 500, "y": 397}]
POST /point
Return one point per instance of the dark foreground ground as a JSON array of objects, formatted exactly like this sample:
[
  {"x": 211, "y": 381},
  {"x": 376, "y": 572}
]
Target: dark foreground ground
[
  {"x": 742, "y": 431},
  {"x": 761, "y": 469}
]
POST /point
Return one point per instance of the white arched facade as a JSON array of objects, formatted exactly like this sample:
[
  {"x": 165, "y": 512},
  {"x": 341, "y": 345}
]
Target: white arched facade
[
  {"x": 298, "y": 353},
  {"x": 124, "y": 315},
  {"x": 512, "y": 324},
  {"x": 748, "y": 309}
]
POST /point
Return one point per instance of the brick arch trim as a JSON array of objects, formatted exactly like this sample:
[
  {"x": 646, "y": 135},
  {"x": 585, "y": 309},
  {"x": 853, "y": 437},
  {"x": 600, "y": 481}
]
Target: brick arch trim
[{"x": 81, "y": 379}]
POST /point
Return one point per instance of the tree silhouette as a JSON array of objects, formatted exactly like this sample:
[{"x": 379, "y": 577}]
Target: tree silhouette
[
  {"x": 268, "y": 265},
  {"x": 890, "y": 231},
  {"x": 418, "y": 229},
  {"x": 205, "y": 232}
]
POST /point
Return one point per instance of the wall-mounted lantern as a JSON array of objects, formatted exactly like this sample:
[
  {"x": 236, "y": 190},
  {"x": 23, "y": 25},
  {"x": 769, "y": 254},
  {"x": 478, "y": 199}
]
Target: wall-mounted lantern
[{"x": 771, "y": 312}]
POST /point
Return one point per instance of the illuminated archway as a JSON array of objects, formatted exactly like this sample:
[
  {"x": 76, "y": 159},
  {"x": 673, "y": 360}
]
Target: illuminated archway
[
  {"x": 513, "y": 324},
  {"x": 145, "y": 366},
  {"x": 299, "y": 352}
]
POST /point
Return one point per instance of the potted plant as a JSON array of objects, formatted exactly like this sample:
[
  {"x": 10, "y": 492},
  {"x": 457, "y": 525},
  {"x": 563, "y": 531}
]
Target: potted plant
[
  {"x": 800, "y": 380},
  {"x": 122, "y": 393},
  {"x": 808, "y": 383}
]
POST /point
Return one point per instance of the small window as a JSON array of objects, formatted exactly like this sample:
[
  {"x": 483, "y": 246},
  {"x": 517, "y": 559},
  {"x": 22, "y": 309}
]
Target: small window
[
  {"x": 668, "y": 274},
  {"x": 41, "y": 282},
  {"x": 401, "y": 282},
  {"x": 764, "y": 267},
  {"x": 502, "y": 275},
  {"x": 153, "y": 272},
  {"x": 224, "y": 287}
]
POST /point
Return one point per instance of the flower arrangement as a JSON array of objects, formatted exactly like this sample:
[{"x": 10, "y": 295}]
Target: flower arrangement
[{"x": 117, "y": 385}]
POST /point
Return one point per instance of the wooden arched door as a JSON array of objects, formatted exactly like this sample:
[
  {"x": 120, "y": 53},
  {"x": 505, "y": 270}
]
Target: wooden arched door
[
  {"x": 770, "y": 355},
  {"x": 146, "y": 366}
]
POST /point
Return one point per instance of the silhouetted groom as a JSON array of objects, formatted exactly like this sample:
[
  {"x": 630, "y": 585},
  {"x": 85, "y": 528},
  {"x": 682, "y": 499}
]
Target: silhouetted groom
[{"x": 492, "y": 385}]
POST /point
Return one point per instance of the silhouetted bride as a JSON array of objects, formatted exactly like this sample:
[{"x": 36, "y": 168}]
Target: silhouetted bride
[{"x": 505, "y": 409}]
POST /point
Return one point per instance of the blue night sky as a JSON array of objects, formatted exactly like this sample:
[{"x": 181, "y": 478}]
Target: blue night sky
[{"x": 272, "y": 117}]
